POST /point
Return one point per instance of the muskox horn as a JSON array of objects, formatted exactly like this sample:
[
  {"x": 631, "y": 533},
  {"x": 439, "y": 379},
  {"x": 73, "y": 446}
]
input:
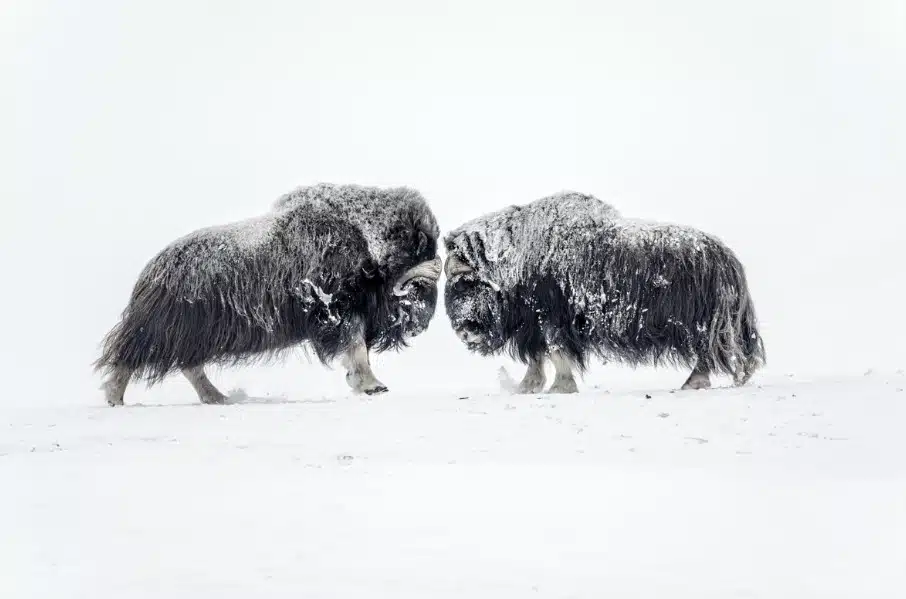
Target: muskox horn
[
  {"x": 455, "y": 266},
  {"x": 429, "y": 270}
]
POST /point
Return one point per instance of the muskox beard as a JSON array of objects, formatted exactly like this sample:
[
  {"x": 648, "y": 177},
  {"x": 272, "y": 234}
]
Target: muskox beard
[
  {"x": 393, "y": 320},
  {"x": 415, "y": 309},
  {"x": 475, "y": 315}
]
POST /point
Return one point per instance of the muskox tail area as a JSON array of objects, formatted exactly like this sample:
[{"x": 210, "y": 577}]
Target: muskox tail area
[
  {"x": 161, "y": 331},
  {"x": 735, "y": 346},
  {"x": 138, "y": 343},
  {"x": 160, "y": 334}
]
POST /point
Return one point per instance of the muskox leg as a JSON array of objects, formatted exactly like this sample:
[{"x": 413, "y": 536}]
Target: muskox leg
[
  {"x": 206, "y": 390},
  {"x": 115, "y": 386},
  {"x": 563, "y": 380},
  {"x": 358, "y": 370},
  {"x": 534, "y": 379},
  {"x": 699, "y": 378}
]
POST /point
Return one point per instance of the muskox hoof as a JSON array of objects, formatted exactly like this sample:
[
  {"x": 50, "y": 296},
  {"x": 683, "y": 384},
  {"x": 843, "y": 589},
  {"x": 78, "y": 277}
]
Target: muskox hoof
[
  {"x": 534, "y": 379},
  {"x": 530, "y": 385},
  {"x": 564, "y": 385},
  {"x": 212, "y": 398},
  {"x": 113, "y": 395},
  {"x": 366, "y": 384},
  {"x": 696, "y": 384}
]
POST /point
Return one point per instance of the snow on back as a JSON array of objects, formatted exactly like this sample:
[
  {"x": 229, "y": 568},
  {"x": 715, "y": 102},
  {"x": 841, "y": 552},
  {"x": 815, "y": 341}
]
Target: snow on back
[
  {"x": 557, "y": 234},
  {"x": 245, "y": 234},
  {"x": 640, "y": 231},
  {"x": 374, "y": 211},
  {"x": 506, "y": 245},
  {"x": 193, "y": 261}
]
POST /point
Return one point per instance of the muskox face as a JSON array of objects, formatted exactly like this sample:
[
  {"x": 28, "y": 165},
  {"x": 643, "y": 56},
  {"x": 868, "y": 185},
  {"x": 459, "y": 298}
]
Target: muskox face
[
  {"x": 414, "y": 293},
  {"x": 411, "y": 241},
  {"x": 414, "y": 309},
  {"x": 474, "y": 307},
  {"x": 411, "y": 269}
]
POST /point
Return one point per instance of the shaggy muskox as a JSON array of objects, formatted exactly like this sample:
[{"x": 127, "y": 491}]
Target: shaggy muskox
[
  {"x": 567, "y": 277},
  {"x": 345, "y": 268}
]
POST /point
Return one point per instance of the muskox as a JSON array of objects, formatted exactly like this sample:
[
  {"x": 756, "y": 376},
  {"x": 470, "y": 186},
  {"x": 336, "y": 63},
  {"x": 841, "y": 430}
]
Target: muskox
[
  {"x": 567, "y": 278},
  {"x": 343, "y": 268}
]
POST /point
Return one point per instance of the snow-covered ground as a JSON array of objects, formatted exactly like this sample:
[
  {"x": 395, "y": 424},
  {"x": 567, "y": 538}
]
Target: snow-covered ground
[{"x": 788, "y": 488}]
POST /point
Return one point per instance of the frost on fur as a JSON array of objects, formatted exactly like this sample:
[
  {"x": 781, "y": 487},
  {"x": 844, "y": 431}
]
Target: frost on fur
[
  {"x": 329, "y": 264},
  {"x": 568, "y": 273}
]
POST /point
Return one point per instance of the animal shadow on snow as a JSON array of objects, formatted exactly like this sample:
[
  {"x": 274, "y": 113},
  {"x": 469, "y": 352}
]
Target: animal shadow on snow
[
  {"x": 240, "y": 396},
  {"x": 237, "y": 397}
]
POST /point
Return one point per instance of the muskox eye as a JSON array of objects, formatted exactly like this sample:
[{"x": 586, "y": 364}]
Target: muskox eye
[
  {"x": 461, "y": 285},
  {"x": 580, "y": 322}
]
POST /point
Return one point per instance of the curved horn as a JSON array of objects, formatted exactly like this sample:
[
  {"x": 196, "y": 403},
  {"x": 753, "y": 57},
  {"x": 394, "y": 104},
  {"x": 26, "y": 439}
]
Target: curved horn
[
  {"x": 455, "y": 266},
  {"x": 430, "y": 269}
]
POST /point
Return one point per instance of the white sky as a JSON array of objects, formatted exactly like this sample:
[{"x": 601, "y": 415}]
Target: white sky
[{"x": 778, "y": 125}]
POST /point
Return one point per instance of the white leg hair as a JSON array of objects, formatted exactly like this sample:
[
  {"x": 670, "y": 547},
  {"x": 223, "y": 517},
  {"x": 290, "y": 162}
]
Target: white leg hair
[
  {"x": 563, "y": 380},
  {"x": 206, "y": 390},
  {"x": 358, "y": 370},
  {"x": 534, "y": 379},
  {"x": 115, "y": 386},
  {"x": 699, "y": 379}
]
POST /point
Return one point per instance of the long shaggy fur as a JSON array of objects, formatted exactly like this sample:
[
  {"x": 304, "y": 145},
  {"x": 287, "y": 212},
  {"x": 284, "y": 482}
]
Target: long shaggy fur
[
  {"x": 318, "y": 268},
  {"x": 569, "y": 273}
]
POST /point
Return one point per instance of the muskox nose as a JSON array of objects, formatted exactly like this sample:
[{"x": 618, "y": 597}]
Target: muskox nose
[{"x": 469, "y": 336}]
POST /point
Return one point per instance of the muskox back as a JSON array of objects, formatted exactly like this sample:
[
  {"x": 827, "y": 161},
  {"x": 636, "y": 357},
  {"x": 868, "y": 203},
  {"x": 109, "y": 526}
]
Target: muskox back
[{"x": 392, "y": 221}]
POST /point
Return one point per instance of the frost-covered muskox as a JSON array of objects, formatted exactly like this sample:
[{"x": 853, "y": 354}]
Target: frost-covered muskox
[
  {"x": 347, "y": 269},
  {"x": 567, "y": 277}
]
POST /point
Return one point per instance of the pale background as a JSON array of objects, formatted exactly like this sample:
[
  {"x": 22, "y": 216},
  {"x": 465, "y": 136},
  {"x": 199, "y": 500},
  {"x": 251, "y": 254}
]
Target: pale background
[{"x": 776, "y": 125}]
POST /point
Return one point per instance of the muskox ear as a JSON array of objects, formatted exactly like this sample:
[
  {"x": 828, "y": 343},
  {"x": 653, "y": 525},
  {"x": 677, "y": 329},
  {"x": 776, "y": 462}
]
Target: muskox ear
[
  {"x": 455, "y": 266},
  {"x": 422, "y": 242}
]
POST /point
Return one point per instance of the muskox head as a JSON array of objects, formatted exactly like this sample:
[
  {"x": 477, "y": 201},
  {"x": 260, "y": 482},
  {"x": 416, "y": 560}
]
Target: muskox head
[
  {"x": 474, "y": 306},
  {"x": 414, "y": 297},
  {"x": 410, "y": 269}
]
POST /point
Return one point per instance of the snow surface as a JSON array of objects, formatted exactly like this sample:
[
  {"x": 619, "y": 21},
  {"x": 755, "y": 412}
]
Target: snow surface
[{"x": 793, "y": 488}]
